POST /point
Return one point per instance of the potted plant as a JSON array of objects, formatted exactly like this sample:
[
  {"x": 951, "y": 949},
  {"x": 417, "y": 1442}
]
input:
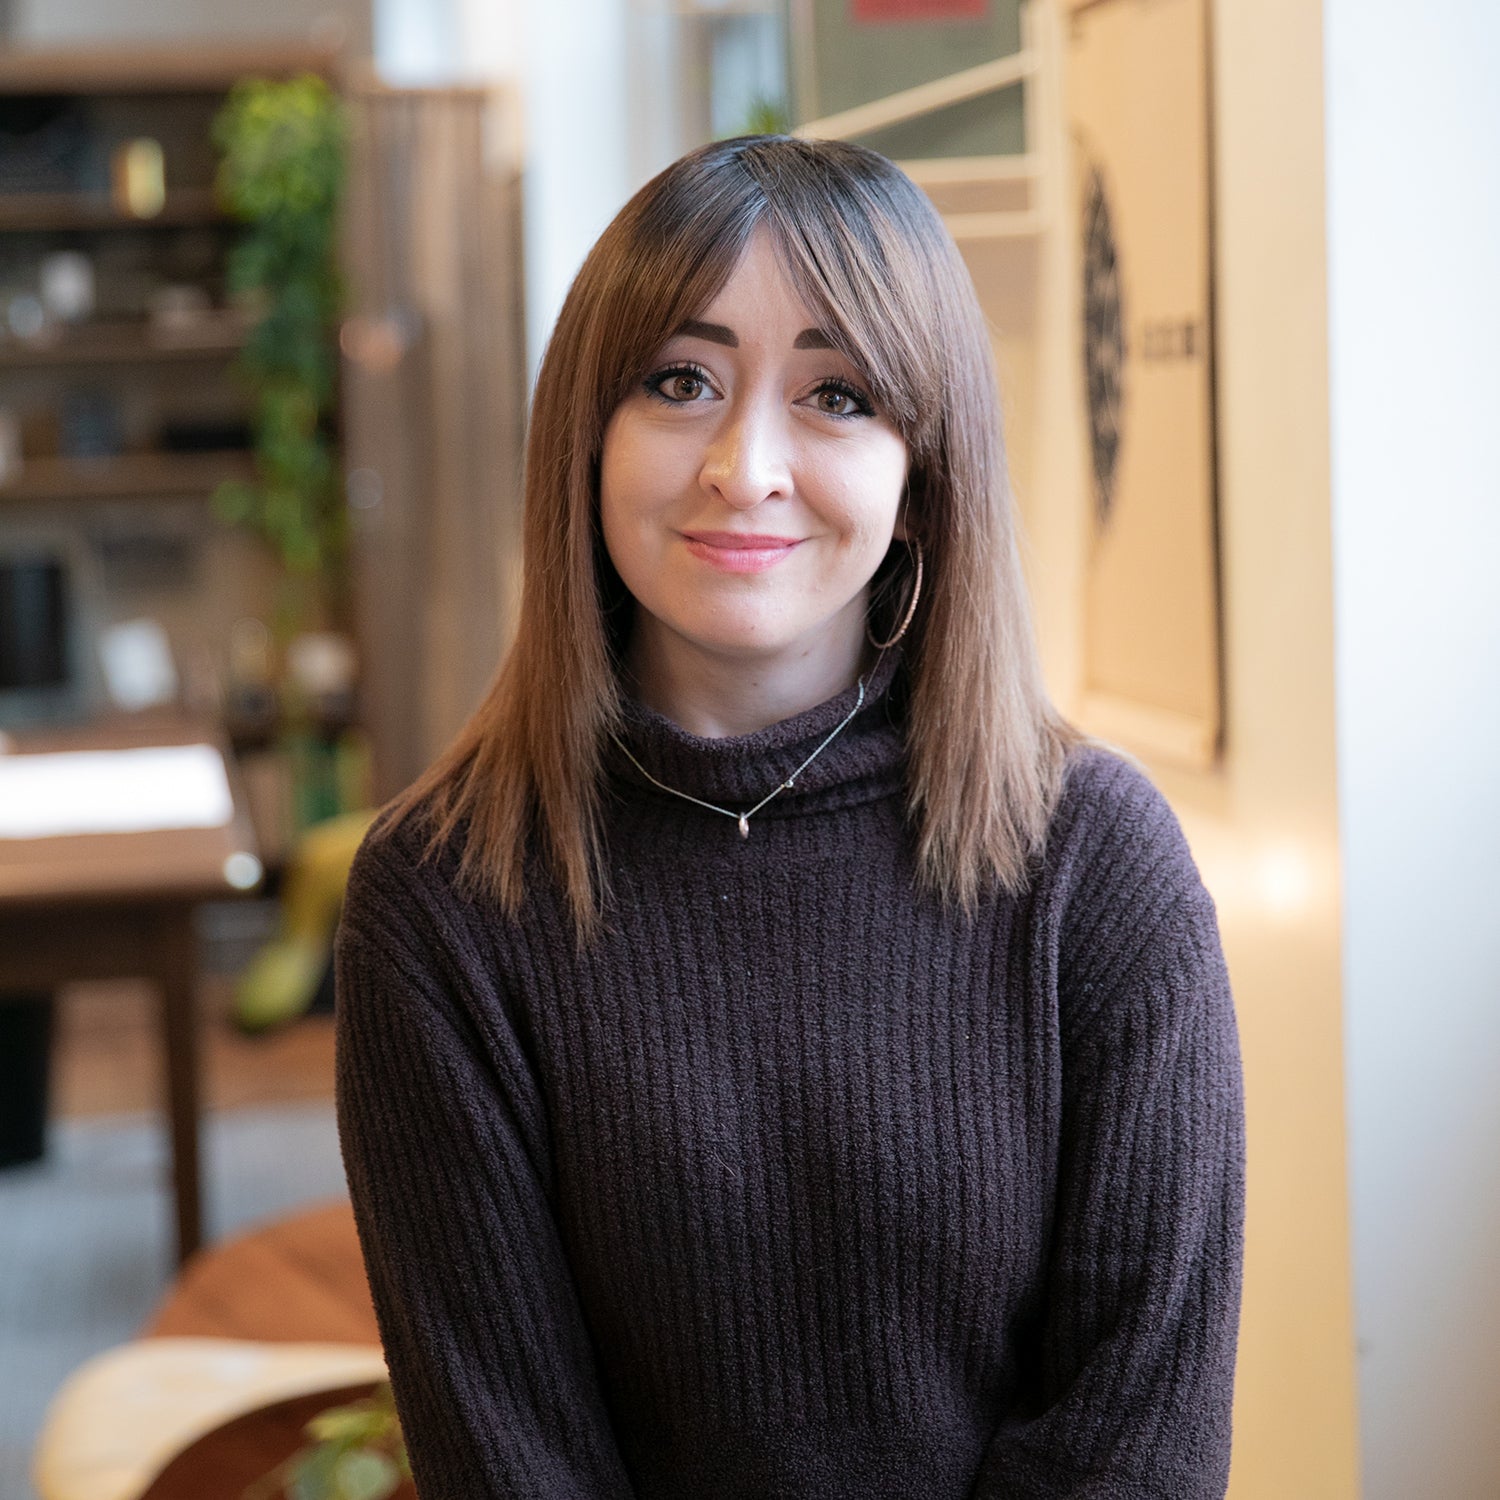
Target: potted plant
[{"x": 356, "y": 1453}]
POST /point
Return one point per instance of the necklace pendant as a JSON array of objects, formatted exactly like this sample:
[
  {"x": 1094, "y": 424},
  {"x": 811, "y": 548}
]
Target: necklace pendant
[{"x": 744, "y": 826}]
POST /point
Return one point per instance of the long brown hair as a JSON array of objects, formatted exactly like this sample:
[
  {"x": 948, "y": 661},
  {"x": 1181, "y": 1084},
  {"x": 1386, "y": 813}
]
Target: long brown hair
[{"x": 872, "y": 261}]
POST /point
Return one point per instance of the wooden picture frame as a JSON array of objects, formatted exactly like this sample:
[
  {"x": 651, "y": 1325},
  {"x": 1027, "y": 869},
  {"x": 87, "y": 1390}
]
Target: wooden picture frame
[{"x": 1139, "y": 109}]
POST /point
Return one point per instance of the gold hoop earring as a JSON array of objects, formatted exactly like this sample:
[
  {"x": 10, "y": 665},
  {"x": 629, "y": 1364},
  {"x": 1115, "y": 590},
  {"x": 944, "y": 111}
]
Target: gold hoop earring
[{"x": 911, "y": 607}]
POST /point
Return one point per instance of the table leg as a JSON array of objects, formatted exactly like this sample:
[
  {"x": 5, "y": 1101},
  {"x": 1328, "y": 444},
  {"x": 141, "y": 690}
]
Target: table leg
[
  {"x": 178, "y": 979},
  {"x": 26, "y": 1026}
]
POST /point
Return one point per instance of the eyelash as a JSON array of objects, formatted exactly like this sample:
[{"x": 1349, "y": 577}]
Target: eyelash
[
  {"x": 653, "y": 383},
  {"x": 863, "y": 406},
  {"x": 653, "y": 388}
]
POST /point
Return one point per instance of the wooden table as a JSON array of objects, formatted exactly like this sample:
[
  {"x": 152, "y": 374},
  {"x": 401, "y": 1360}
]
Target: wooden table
[
  {"x": 296, "y": 1280},
  {"x": 299, "y": 1279},
  {"x": 120, "y": 905}
]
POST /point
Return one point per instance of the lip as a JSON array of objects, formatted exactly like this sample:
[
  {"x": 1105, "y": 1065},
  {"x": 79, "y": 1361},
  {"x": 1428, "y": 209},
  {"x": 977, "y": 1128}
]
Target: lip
[{"x": 739, "y": 551}]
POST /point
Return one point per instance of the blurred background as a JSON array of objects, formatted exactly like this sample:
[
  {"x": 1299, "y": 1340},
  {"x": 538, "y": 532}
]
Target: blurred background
[{"x": 274, "y": 281}]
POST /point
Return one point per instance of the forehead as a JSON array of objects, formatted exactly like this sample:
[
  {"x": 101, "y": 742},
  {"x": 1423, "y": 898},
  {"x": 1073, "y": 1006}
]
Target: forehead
[{"x": 758, "y": 302}]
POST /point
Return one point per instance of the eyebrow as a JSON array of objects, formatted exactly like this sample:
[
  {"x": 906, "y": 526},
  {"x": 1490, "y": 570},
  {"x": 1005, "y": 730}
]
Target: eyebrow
[{"x": 717, "y": 333}]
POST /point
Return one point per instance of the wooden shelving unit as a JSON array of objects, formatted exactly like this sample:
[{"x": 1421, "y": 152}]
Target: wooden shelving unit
[
  {"x": 130, "y": 475},
  {"x": 983, "y": 199},
  {"x": 66, "y": 211},
  {"x": 132, "y": 343},
  {"x": 141, "y": 369},
  {"x": 83, "y": 71}
]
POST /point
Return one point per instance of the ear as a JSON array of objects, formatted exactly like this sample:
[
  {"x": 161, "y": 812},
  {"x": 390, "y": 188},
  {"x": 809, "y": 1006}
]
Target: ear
[{"x": 909, "y": 509}]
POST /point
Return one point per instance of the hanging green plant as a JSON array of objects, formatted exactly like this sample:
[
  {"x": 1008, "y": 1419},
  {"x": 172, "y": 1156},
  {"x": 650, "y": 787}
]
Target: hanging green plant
[{"x": 283, "y": 162}]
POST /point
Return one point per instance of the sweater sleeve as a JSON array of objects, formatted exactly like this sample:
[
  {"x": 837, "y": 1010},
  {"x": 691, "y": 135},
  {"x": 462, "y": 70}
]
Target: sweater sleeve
[
  {"x": 445, "y": 1149},
  {"x": 1136, "y": 1344}
]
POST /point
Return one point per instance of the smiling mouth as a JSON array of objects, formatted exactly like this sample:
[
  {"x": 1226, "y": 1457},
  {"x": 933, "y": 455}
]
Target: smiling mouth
[{"x": 739, "y": 552}]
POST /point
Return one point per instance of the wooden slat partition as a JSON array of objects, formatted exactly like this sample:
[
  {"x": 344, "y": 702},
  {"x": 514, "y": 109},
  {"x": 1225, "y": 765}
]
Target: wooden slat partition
[{"x": 434, "y": 407}]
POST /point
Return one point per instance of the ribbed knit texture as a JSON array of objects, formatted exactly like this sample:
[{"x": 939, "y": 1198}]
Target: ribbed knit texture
[{"x": 797, "y": 1184}]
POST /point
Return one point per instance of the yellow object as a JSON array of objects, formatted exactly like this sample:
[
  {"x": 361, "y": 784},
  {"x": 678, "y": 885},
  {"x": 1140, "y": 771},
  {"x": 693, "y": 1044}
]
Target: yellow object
[
  {"x": 283, "y": 977},
  {"x": 139, "y": 178}
]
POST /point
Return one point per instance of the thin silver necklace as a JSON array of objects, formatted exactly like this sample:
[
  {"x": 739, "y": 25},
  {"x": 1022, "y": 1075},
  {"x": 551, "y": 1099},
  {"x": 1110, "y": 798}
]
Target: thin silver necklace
[{"x": 743, "y": 818}]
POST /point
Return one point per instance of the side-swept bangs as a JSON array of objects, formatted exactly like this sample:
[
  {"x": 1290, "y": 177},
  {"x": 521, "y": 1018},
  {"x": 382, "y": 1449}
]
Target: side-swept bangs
[{"x": 870, "y": 258}]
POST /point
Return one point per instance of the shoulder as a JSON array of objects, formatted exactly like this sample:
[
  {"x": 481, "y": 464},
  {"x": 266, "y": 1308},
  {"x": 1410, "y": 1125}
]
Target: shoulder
[
  {"x": 1119, "y": 881},
  {"x": 392, "y": 857},
  {"x": 404, "y": 886},
  {"x": 1112, "y": 823},
  {"x": 416, "y": 955}
]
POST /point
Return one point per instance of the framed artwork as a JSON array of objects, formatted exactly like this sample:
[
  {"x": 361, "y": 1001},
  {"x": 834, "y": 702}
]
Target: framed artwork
[{"x": 1138, "y": 102}]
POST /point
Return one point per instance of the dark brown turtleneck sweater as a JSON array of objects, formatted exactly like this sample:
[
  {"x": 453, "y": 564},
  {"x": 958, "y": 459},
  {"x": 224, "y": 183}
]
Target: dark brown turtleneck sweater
[{"x": 798, "y": 1186}]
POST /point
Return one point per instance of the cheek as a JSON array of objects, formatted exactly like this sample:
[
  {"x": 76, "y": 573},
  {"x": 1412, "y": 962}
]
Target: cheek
[
  {"x": 618, "y": 484},
  {"x": 617, "y": 465},
  {"x": 625, "y": 488},
  {"x": 639, "y": 471},
  {"x": 863, "y": 495}
]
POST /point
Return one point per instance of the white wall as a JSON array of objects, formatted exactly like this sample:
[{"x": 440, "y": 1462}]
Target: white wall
[
  {"x": 568, "y": 61},
  {"x": 1413, "y": 137},
  {"x": 578, "y": 172}
]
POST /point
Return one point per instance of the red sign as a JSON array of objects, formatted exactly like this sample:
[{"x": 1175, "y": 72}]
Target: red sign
[{"x": 918, "y": 10}]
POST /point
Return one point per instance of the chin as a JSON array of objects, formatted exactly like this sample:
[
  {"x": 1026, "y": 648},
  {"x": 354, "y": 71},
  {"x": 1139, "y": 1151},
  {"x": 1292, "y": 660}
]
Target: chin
[
  {"x": 746, "y": 645},
  {"x": 763, "y": 641}
]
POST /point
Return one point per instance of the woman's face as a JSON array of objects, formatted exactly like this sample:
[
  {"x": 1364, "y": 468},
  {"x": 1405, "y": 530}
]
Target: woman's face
[{"x": 749, "y": 488}]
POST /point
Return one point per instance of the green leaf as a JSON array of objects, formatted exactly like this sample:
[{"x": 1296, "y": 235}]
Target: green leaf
[
  {"x": 235, "y": 501},
  {"x": 766, "y": 117},
  {"x": 346, "y": 1424},
  {"x": 364, "y": 1475},
  {"x": 283, "y": 146},
  {"x": 312, "y": 1476}
]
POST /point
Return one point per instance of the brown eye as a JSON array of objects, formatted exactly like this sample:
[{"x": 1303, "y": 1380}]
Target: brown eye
[
  {"x": 836, "y": 398},
  {"x": 678, "y": 385}
]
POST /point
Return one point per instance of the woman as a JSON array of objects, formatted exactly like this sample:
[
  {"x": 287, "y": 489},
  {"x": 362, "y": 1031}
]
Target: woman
[{"x": 776, "y": 1057}]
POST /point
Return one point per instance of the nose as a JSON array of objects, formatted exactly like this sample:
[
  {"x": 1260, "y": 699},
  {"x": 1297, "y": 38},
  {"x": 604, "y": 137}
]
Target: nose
[{"x": 748, "y": 459}]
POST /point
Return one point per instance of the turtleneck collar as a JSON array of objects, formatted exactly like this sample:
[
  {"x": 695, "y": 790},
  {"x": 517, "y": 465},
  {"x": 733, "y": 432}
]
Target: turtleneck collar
[{"x": 863, "y": 761}]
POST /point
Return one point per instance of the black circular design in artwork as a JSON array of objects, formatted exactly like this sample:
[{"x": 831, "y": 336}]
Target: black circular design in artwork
[{"x": 1103, "y": 342}]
